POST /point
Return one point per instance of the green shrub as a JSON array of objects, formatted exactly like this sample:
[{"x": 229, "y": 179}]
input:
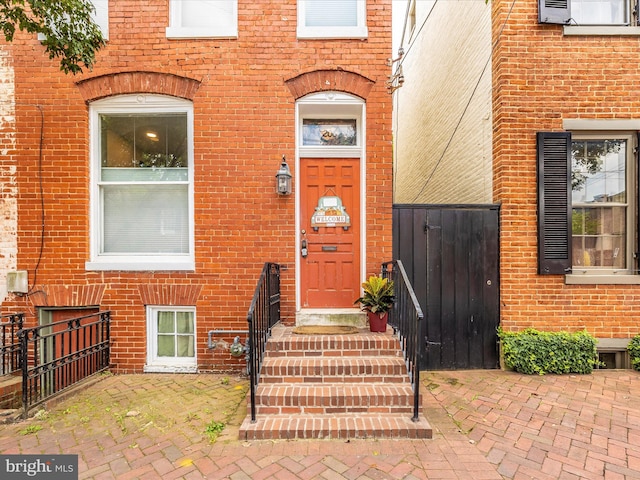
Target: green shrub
[
  {"x": 531, "y": 351},
  {"x": 634, "y": 352}
]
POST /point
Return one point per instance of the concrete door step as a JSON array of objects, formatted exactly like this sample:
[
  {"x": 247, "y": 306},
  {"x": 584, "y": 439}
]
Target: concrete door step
[{"x": 332, "y": 316}]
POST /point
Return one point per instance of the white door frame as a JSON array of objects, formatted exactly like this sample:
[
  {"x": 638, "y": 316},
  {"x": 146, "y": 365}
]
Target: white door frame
[{"x": 330, "y": 105}]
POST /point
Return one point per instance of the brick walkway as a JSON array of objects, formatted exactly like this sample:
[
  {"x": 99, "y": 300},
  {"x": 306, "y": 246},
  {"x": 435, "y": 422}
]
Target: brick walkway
[{"x": 487, "y": 425}]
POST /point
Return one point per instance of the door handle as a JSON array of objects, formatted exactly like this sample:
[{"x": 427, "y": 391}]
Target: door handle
[{"x": 303, "y": 249}]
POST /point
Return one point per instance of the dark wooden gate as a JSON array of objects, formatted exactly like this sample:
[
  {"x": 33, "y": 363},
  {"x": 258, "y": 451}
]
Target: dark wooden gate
[{"x": 451, "y": 255}]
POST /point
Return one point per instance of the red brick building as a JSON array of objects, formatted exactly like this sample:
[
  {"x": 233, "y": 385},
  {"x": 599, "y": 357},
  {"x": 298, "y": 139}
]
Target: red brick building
[
  {"x": 570, "y": 198},
  {"x": 543, "y": 96},
  {"x": 147, "y": 186}
]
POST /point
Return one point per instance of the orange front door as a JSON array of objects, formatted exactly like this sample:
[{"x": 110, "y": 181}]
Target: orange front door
[{"x": 330, "y": 248}]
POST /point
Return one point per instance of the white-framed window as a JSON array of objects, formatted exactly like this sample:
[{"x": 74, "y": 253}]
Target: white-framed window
[
  {"x": 601, "y": 191},
  {"x": 171, "y": 339},
  {"x": 600, "y": 12},
  {"x": 141, "y": 183},
  {"x": 332, "y": 19},
  {"x": 330, "y": 124},
  {"x": 101, "y": 16},
  {"x": 203, "y": 18}
]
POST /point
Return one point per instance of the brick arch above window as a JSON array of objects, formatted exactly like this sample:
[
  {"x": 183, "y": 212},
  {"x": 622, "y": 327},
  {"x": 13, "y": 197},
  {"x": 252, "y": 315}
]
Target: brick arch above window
[
  {"x": 103, "y": 86},
  {"x": 169, "y": 294},
  {"x": 68, "y": 295},
  {"x": 334, "y": 80}
]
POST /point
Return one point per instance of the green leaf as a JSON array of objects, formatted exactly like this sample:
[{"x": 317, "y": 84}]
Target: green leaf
[{"x": 70, "y": 34}]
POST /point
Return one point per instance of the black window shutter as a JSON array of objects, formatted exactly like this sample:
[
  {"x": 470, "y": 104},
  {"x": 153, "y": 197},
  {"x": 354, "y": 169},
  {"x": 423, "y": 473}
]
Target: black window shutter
[
  {"x": 554, "y": 202},
  {"x": 554, "y": 11}
]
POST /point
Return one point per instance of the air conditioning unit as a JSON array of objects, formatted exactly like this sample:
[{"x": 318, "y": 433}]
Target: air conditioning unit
[
  {"x": 18, "y": 281},
  {"x": 554, "y": 11}
]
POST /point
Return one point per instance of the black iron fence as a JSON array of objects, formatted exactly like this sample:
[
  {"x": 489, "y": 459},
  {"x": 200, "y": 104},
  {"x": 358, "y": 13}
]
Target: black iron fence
[
  {"x": 60, "y": 354},
  {"x": 406, "y": 318},
  {"x": 264, "y": 313},
  {"x": 10, "y": 325}
]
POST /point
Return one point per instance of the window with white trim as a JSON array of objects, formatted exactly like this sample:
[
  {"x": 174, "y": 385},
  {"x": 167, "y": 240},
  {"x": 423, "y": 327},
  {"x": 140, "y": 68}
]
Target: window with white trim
[
  {"x": 171, "y": 339},
  {"x": 332, "y": 19},
  {"x": 203, "y": 18},
  {"x": 101, "y": 16},
  {"x": 142, "y": 183},
  {"x": 600, "y": 12},
  {"x": 587, "y": 198}
]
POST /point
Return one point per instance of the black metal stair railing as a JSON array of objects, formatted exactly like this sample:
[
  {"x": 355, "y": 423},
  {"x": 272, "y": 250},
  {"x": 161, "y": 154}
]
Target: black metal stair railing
[
  {"x": 406, "y": 318},
  {"x": 10, "y": 325},
  {"x": 264, "y": 314}
]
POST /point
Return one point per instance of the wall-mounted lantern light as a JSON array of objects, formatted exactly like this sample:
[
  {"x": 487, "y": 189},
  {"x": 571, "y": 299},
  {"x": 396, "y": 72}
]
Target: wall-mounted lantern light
[{"x": 283, "y": 178}]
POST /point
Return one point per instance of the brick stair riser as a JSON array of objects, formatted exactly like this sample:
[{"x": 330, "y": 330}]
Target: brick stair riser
[
  {"x": 308, "y": 347},
  {"x": 339, "y": 371},
  {"x": 331, "y": 353},
  {"x": 310, "y": 410},
  {"x": 288, "y": 379},
  {"x": 331, "y": 400},
  {"x": 335, "y": 427},
  {"x": 330, "y": 434}
]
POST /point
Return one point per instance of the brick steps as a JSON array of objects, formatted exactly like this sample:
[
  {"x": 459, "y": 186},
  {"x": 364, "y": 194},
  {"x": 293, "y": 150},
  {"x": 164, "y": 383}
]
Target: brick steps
[
  {"x": 333, "y": 386},
  {"x": 319, "y": 370}
]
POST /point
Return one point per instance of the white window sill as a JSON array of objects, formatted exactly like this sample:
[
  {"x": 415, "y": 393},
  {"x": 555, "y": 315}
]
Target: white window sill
[
  {"x": 585, "y": 279},
  {"x": 149, "y": 266},
  {"x": 181, "y": 32},
  {"x": 600, "y": 30},
  {"x": 170, "y": 369},
  {"x": 322, "y": 33}
]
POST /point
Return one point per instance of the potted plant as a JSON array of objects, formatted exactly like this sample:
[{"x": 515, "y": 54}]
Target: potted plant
[{"x": 377, "y": 300}]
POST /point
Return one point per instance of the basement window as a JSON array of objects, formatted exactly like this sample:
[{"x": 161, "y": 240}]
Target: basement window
[{"x": 171, "y": 341}]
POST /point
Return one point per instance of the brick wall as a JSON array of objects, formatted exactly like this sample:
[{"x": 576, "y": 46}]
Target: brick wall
[
  {"x": 244, "y": 123},
  {"x": 443, "y": 110},
  {"x": 542, "y": 77}
]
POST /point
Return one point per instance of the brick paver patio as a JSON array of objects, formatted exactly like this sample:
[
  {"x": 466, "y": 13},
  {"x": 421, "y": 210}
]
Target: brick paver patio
[{"x": 487, "y": 425}]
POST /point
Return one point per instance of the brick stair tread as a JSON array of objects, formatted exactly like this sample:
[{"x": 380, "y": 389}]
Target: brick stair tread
[
  {"x": 341, "y": 426},
  {"x": 327, "y": 370}
]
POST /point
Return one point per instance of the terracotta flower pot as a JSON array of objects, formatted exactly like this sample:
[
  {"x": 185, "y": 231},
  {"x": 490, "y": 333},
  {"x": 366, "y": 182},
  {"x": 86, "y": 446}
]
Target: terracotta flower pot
[{"x": 378, "y": 321}]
